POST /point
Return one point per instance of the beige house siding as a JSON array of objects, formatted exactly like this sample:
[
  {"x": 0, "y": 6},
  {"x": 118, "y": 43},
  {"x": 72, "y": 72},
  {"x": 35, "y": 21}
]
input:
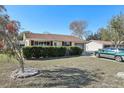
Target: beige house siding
[
  {"x": 73, "y": 44},
  {"x": 27, "y": 42}
]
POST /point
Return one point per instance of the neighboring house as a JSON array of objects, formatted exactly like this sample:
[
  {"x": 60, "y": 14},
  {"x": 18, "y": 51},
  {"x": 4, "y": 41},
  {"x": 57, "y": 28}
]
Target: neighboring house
[
  {"x": 94, "y": 45},
  {"x": 33, "y": 39}
]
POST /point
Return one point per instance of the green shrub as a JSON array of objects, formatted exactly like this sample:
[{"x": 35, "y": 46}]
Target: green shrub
[
  {"x": 27, "y": 52},
  {"x": 45, "y": 52},
  {"x": 38, "y": 51},
  {"x": 61, "y": 51},
  {"x": 53, "y": 51},
  {"x": 75, "y": 51}
]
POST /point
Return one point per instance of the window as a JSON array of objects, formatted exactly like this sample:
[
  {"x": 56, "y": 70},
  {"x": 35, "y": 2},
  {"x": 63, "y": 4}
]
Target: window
[
  {"x": 111, "y": 49},
  {"x": 48, "y": 43},
  {"x": 51, "y": 43},
  {"x": 32, "y": 42},
  {"x": 121, "y": 49},
  {"x": 66, "y": 43},
  {"x": 40, "y": 43},
  {"x": 36, "y": 42},
  {"x": 107, "y": 46}
]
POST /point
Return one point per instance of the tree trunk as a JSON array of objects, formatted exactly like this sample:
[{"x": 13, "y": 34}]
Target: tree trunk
[
  {"x": 22, "y": 66},
  {"x": 116, "y": 45}
]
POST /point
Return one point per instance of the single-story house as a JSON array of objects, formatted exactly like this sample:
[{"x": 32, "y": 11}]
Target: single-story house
[
  {"x": 33, "y": 39},
  {"x": 94, "y": 45}
]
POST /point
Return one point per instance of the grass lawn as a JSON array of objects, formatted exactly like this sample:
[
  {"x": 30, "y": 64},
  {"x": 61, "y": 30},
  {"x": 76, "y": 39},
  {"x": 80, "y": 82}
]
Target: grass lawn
[{"x": 80, "y": 71}]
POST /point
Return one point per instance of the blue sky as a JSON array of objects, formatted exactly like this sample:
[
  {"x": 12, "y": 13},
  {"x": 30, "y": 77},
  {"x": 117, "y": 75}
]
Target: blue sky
[{"x": 56, "y": 19}]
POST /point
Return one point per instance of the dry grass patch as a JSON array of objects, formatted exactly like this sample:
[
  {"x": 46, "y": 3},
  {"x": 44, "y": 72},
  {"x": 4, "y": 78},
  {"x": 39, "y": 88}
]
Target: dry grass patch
[{"x": 66, "y": 72}]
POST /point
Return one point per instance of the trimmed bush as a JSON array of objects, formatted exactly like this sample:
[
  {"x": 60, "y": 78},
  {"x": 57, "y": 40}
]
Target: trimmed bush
[
  {"x": 53, "y": 51},
  {"x": 61, "y": 51},
  {"x": 27, "y": 52},
  {"x": 38, "y": 51},
  {"x": 45, "y": 52},
  {"x": 75, "y": 51}
]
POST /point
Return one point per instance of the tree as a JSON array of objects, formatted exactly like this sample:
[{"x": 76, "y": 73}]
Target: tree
[
  {"x": 78, "y": 28},
  {"x": 95, "y": 36},
  {"x": 9, "y": 30},
  {"x": 20, "y": 36},
  {"x": 103, "y": 34},
  {"x": 116, "y": 29}
]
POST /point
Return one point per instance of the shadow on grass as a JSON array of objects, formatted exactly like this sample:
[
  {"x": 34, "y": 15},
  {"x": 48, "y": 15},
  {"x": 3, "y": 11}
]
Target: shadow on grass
[{"x": 69, "y": 77}]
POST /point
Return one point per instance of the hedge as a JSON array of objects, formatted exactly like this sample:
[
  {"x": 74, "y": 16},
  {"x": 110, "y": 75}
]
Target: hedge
[
  {"x": 38, "y": 51},
  {"x": 28, "y": 52},
  {"x": 75, "y": 51}
]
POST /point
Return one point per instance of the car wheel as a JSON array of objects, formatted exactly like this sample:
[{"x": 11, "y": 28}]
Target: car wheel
[
  {"x": 118, "y": 58},
  {"x": 97, "y": 55}
]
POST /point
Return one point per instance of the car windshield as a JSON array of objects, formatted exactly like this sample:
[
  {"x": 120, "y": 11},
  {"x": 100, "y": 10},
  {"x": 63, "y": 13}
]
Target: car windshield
[
  {"x": 121, "y": 49},
  {"x": 110, "y": 49}
]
